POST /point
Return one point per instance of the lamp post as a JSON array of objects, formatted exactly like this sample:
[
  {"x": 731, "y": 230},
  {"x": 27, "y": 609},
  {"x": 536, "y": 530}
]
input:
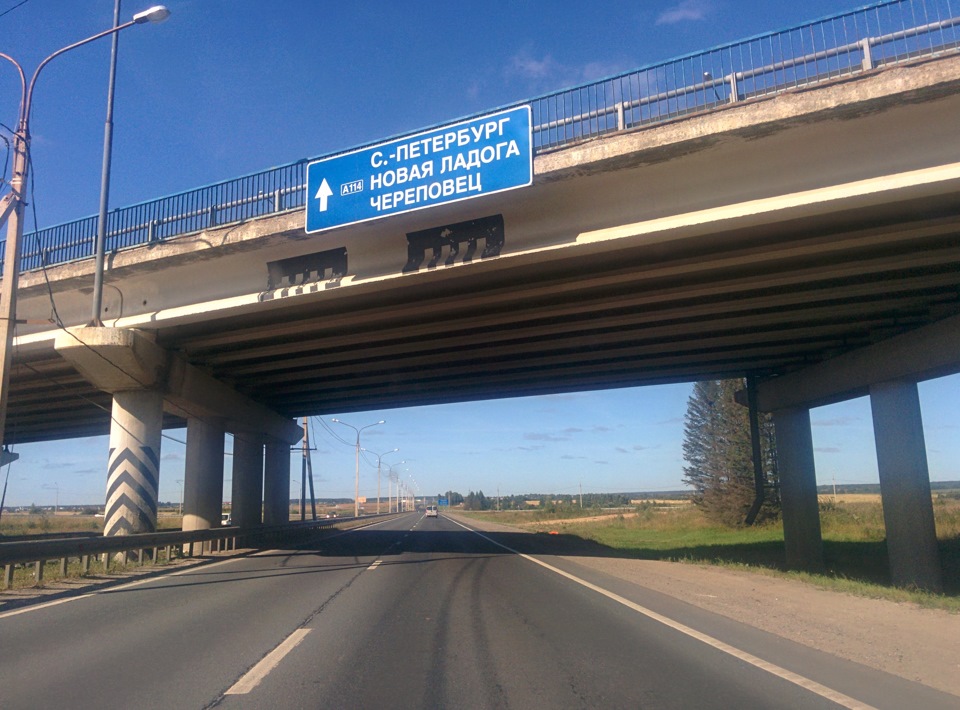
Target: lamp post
[
  {"x": 391, "y": 477},
  {"x": 379, "y": 458},
  {"x": 157, "y": 13},
  {"x": 14, "y": 207},
  {"x": 356, "y": 485},
  {"x": 413, "y": 492}
]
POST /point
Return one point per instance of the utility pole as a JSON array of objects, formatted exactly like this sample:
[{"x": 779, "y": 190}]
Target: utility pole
[
  {"x": 303, "y": 472},
  {"x": 306, "y": 448},
  {"x": 581, "y": 495}
]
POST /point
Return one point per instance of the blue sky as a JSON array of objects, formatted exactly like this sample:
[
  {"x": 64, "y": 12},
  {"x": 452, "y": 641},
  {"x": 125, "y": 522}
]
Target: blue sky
[{"x": 228, "y": 87}]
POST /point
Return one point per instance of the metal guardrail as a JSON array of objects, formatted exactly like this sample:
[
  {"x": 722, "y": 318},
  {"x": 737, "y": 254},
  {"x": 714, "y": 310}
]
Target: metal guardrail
[
  {"x": 148, "y": 545},
  {"x": 860, "y": 40}
]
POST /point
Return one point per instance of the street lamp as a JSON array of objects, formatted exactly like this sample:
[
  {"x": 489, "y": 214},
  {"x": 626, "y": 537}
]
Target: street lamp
[
  {"x": 379, "y": 457},
  {"x": 12, "y": 206},
  {"x": 157, "y": 13},
  {"x": 356, "y": 486},
  {"x": 391, "y": 477},
  {"x": 413, "y": 492}
]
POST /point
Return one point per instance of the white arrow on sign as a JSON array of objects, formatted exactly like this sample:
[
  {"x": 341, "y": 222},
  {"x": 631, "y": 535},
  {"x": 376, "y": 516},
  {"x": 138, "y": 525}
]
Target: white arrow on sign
[{"x": 323, "y": 194}]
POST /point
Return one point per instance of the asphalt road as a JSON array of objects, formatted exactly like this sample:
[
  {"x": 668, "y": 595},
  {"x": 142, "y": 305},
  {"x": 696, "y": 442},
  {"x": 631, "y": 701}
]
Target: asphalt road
[{"x": 413, "y": 612}]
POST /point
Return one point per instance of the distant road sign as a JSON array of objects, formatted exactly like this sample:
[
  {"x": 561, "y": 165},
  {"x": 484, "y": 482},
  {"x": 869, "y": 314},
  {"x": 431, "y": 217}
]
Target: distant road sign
[
  {"x": 443, "y": 501},
  {"x": 473, "y": 158}
]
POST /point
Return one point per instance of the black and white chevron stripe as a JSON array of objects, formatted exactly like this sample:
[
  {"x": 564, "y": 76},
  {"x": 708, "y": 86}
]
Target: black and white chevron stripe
[{"x": 132, "y": 481}]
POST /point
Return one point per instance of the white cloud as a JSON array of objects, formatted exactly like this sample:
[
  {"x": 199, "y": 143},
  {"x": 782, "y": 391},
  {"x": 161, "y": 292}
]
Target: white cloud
[
  {"x": 684, "y": 11},
  {"x": 524, "y": 65},
  {"x": 537, "y": 436}
]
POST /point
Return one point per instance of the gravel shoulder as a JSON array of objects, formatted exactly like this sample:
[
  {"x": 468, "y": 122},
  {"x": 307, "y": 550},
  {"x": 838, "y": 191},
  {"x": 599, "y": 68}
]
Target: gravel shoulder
[{"x": 903, "y": 639}]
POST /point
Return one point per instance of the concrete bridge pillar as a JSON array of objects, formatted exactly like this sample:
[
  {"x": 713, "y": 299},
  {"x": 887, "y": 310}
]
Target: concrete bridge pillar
[
  {"x": 905, "y": 486},
  {"x": 203, "y": 474},
  {"x": 133, "y": 471},
  {"x": 276, "y": 483},
  {"x": 798, "y": 489},
  {"x": 247, "y": 492}
]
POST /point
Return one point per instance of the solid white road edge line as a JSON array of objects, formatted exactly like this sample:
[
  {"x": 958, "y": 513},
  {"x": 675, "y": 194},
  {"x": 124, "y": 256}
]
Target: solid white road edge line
[
  {"x": 251, "y": 679},
  {"x": 118, "y": 588},
  {"x": 176, "y": 573},
  {"x": 789, "y": 676}
]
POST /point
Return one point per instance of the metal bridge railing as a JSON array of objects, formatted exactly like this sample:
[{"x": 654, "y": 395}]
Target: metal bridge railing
[{"x": 869, "y": 37}]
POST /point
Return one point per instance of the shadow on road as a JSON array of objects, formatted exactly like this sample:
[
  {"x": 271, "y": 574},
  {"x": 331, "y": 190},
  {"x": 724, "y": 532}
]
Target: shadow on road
[{"x": 331, "y": 551}]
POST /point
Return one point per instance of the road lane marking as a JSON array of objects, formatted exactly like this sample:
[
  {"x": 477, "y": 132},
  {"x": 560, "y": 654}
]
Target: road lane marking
[
  {"x": 163, "y": 575},
  {"x": 37, "y": 607},
  {"x": 789, "y": 676},
  {"x": 119, "y": 588},
  {"x": 252, "y": 678},
  {"x": 375, "y": 564}
]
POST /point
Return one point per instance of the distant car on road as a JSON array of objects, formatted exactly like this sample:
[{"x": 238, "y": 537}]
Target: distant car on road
[{"x": 432, "y": 511}]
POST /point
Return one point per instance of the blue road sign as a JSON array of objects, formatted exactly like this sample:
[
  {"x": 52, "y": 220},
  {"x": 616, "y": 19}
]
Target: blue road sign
[
  {"x": 443, "y": 501},
  {"x": 477, "y": 157}
]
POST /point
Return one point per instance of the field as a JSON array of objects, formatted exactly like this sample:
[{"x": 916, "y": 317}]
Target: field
[
  {"x": 853, "y": 534},
  {"x": 46, "y": 523}
]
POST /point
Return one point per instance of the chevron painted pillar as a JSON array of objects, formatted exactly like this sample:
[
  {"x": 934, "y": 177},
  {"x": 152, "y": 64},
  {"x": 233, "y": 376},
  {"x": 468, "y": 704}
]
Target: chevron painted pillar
[
  {"x": 276, "y": 483},
  {"x": 246, "y": 500},
  {"x": 203, "y": 474},
  {"x": 133, "y": 473}
]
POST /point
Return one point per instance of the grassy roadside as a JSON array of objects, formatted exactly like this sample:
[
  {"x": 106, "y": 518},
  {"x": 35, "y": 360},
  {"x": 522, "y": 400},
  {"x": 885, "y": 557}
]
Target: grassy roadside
[{"x": 853, "y": 539}]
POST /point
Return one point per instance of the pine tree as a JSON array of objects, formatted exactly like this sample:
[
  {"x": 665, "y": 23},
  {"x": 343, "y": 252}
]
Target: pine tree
[
  {"x": 718, "y": 452},
  {"x": 700, "y": 438}
]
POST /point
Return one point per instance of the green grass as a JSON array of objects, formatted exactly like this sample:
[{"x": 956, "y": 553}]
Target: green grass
[{"x": 854, "y": 547}]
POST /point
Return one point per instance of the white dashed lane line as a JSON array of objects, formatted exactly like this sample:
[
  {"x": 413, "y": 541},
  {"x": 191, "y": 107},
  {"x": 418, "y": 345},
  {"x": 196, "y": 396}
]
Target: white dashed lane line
[{"x": 252, "y": 678}]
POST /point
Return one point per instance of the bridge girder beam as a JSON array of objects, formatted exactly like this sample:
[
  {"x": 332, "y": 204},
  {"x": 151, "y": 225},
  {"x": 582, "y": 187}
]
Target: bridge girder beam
[{"x": 117, "y": 360}]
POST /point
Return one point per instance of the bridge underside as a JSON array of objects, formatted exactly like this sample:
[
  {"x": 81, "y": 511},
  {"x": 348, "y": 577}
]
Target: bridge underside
[{"x": 766, "y": 300}]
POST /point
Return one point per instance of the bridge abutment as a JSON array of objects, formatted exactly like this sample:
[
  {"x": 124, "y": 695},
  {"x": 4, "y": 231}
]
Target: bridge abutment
[
  {"x": 798, "y": 489},
  {"x": 905, "y": 486}
]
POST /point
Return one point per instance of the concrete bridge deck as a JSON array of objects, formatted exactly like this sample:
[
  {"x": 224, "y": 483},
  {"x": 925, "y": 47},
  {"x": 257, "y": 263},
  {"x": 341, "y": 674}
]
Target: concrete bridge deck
[{"x": 763, "y": 237}]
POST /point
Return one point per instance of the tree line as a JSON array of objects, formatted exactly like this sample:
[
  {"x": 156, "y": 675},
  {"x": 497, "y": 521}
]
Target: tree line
[{"x": 476, "y": 500}]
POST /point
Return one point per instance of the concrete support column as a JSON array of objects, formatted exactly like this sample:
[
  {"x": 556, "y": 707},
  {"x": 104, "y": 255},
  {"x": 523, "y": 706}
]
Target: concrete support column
[
  {"x": 798, "y": 489},
  {"x": 133, "y": 472},
  {"x": 203, "y": 474},
  {"x": 247, "y": 493},
  {"x": 276, "y": 483},
  {"x": 905, "y": 486}
]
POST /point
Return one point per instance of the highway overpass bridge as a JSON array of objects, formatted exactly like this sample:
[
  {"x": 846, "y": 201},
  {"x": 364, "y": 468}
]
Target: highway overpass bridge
[{"x": 803, "y": 234}]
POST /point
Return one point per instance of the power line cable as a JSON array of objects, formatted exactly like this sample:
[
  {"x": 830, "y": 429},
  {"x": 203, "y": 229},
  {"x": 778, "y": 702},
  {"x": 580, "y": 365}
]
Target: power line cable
[{"x": 11, "y": 9}]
